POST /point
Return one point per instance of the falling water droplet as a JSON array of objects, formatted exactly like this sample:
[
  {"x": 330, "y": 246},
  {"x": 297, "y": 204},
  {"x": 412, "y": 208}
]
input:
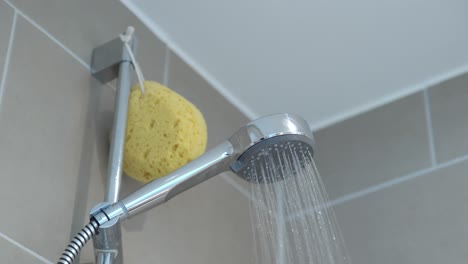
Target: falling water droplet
[{"x": 311, "y": 236}]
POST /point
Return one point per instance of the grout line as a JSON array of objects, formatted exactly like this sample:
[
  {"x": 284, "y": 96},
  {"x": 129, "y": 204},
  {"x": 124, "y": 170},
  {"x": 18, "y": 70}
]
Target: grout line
[
  {"x": 430, "y": 128},
  {"x": 111, "y": 86},
  {"x": 167, "y": 64},
  {"x": 382, "y": 186},
  {"x": 49, "y": 35},
  {"x": 9, "y": 50},
  {"x": 21, "y": 246}
]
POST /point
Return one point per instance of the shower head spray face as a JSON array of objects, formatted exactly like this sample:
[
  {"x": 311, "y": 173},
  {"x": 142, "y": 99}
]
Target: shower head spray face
[
  {"x": 273, "y": 155},
  {"x": 270, "y": 143}
]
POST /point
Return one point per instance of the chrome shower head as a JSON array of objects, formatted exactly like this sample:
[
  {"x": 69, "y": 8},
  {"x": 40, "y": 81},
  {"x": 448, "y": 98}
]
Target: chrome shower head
[
  {"x": 270, "y": 138},
  {"x": 266, "y": 143}
]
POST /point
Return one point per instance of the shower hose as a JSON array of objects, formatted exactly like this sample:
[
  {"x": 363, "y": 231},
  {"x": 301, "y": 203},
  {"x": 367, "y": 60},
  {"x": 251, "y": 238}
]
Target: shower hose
[{"x": 78, "y": 242}]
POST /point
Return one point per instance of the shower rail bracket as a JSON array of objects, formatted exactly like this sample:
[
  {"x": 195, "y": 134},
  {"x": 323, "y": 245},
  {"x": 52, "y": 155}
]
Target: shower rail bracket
[{"x": 106, "y": 60}]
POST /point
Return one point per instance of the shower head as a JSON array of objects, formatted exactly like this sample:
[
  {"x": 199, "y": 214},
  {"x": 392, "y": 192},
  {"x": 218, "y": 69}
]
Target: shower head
[
  {"x": 266, "y": 143},
  {"x": 262, "y": 144}
]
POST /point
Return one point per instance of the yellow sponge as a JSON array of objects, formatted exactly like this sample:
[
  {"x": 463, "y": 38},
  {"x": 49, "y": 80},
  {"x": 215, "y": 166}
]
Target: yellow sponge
[{"x": 164, "y": 132}]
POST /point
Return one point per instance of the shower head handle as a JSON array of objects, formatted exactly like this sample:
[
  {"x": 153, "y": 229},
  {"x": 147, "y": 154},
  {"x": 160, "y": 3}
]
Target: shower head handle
[{"x": 156, "y": 192}]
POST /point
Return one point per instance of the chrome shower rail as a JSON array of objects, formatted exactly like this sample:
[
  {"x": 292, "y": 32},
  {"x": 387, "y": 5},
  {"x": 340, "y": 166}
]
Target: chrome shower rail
[{"x": 111, "y": 61}]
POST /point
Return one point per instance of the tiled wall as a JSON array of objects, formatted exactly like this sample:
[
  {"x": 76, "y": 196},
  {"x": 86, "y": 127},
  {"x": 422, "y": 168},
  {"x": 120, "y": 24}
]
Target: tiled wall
[{"x": 395, "y": 175}]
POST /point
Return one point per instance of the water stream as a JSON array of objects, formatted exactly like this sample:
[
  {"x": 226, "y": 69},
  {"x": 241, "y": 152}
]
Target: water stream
[{"x": 283, "y": 234}]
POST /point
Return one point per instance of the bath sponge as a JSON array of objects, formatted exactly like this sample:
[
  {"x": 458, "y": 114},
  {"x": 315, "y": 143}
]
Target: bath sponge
[{"x": 164, "y": 132}]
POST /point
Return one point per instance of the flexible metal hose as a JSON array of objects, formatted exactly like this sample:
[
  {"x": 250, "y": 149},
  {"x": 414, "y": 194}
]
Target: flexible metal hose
[{"x": 78, "y": 242}]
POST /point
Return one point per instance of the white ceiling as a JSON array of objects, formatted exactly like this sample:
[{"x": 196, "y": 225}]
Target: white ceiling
[{"x": 325, "y": 60}]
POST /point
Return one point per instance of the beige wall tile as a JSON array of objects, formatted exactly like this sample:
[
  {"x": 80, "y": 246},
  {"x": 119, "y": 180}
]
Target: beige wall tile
[
  {"x": 377, "y": 146},
  {"x": 10, "y": 253},
  {"x": 419, "y": 221},
  {"x": 449, "y": 108},
  {"x": 207, "y": 224}
]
